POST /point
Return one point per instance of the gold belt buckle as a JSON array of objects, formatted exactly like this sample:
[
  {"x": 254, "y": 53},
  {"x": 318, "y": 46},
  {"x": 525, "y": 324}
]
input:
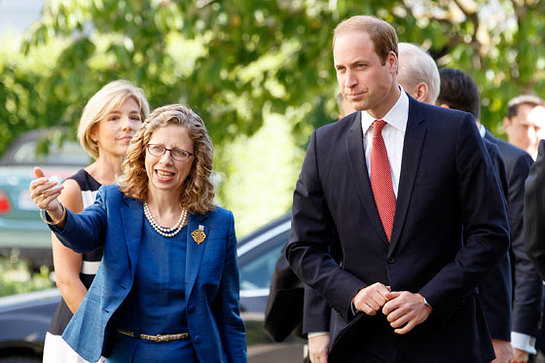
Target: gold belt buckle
[{"x": 160, "y": 338}]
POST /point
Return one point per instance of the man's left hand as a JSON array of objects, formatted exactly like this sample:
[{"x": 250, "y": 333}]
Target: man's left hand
[
  {"x": 520, "y": 356},
  {"x": 405, "y": 310}
]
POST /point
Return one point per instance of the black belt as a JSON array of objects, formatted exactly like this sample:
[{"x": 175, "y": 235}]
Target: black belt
[{"x": 159, "y": 338}]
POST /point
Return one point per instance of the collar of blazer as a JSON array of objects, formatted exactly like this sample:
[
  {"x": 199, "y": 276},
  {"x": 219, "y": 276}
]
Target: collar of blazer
[{"x": 133, "y": 218}]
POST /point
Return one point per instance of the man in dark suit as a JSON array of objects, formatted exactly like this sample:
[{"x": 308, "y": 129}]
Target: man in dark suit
[
  {"x": 534, "y": 212},
  {"x": 459, "y": 91},
  {"x": 417, "y": 210}
]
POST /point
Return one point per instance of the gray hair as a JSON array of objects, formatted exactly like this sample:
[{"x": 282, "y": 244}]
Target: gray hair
[{"x": 416, "y": 66}]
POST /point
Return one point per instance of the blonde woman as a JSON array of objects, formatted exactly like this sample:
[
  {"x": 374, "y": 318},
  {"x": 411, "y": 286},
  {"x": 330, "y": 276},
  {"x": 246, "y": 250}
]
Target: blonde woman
[{"x": 109, "y": 121}]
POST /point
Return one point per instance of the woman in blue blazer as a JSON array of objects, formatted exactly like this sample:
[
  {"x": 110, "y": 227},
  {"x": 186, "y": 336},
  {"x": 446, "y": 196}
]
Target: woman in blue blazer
[{"x": 167, "y": 288}]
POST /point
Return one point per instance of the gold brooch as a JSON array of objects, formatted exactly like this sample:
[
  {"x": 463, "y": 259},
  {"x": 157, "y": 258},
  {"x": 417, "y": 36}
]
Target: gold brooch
[{"x": 198, "y": 235}]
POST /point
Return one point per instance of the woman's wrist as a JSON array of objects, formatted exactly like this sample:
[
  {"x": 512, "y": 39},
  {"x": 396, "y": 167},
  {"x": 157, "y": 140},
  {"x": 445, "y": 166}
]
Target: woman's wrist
[{"x": 53, "y": 221}]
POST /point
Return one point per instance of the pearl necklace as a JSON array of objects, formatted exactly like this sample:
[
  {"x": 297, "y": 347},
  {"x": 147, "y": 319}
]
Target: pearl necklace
[{"x": 166, "y": 231}]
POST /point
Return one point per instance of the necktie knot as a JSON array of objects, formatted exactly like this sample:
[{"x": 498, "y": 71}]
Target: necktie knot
[{"x": 378, "y": 125}]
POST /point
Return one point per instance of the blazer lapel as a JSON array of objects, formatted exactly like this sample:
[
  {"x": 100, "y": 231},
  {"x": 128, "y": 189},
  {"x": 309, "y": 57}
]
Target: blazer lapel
[
  {"x": 415, "y": 135},
  {"x": 358, "y": 167},
  {"x": 132, "y": 217},
  {"x": 194, "y": 250}
]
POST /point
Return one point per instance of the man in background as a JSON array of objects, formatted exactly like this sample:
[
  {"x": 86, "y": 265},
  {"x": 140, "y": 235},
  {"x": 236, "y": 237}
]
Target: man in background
[
  {"x": 418, "y": 73},
  {"x": 523, "y": 122},
  {"x": 459, "y": 91}
]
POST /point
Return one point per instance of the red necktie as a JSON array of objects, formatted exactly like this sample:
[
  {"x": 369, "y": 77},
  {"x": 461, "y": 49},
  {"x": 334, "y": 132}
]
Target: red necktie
[{"x": 381, "y": 180}]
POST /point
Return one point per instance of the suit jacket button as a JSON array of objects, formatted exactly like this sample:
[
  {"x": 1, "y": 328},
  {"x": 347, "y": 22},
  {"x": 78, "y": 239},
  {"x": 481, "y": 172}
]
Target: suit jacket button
[
  {"x": 197, "y": 339},
  {"x": 391, "y": 260},
  {"x": 191, "y": 309}
]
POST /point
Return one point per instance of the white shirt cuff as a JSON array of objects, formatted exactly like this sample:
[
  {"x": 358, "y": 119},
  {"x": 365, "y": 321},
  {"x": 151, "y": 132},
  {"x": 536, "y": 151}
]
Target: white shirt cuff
[
  {"x": 523, "y": 342},
  {"x": 317, "y": 334}
]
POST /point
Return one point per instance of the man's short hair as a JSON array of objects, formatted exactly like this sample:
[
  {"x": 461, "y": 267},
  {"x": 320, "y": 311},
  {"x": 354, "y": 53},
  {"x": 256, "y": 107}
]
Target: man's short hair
[
  {"x": 459, "y": 91},
  {"x": 382, "y": 34},
  {"x": 417, "y": 66},
  {"x": 526, "y": 99}
]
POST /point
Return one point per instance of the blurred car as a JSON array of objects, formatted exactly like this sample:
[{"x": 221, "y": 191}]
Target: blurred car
[
  {"x": 20, "y": 224},
  {"x": 24, "y": 318}
]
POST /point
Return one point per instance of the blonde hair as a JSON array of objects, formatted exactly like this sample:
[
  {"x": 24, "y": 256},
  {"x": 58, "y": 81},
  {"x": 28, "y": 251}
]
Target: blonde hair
[
  {"x": 382, "y": 34},
  {"x": 197, "y": 194},
  {"x": 108, "y": 98}
]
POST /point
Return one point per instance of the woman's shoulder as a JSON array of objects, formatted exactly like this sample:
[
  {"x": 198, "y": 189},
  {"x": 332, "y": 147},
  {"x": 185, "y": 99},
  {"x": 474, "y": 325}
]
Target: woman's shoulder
[
  {"x": 220, "y": 212},
  {"x": 110, "y": 192},
  {"x": 219, "y": 215},
  {"x": 110, "y": 188},
  {"x": 85, "y": 180}
]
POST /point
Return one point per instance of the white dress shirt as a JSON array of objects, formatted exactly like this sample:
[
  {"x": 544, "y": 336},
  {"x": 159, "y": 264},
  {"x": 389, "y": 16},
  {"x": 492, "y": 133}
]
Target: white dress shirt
[{"x": 393, "y": 134}]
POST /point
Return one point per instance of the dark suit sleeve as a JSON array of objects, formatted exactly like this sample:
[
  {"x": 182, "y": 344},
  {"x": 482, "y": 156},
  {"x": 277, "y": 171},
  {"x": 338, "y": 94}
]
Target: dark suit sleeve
[
  {"x": 316, "y": 312},
  {"x": 534, "y": 212},
  {"x": 308, "y": 251},
  {"x": 495, "y": 290},
  {"x": 527, "y": 283},
  {"x": 284, "y": 310},
  {"x": 483, "y": 213}
]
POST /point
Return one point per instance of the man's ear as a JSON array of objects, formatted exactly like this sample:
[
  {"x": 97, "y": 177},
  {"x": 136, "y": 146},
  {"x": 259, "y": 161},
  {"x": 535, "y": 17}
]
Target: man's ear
[
  {"x": 392, "y": 61},
  {"x": 506, "y": 124},
  {"x": 422, "y": 92}
]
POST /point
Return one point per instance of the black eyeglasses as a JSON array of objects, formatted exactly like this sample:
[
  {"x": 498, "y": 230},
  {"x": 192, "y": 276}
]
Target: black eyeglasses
[{"x": 177, "y": 154}]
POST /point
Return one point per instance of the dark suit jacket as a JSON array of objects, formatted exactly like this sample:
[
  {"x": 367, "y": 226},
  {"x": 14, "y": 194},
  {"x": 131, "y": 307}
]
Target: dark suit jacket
[
  {"x": 447, "y": 181},
  {"x": 495, "y": 290},
  {"x": 534, "y": 212},
  {"x": 527, "y": 285}
]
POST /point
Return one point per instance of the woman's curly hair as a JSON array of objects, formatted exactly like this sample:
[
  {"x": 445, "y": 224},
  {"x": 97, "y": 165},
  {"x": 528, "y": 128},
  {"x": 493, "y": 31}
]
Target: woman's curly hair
[{"x": 198, "y": 189}]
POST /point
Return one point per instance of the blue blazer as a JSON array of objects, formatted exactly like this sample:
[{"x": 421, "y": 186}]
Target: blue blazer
[
  {"x": 212, "y": 280},
  {"x": 450, "y": 230}
]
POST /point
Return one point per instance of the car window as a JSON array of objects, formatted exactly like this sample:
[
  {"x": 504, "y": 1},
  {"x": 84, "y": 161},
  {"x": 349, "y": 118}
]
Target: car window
[
  {"x": 257, "y": 265},
  {"x": 71, "y": 153}
]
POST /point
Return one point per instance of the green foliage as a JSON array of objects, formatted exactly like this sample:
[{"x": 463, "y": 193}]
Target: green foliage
[
  {"x": 16, "y": 277},
  {"x": 246, "y": 56},
  {"x": 236, "y": 61},
  {"x": 258, "y": 173}
]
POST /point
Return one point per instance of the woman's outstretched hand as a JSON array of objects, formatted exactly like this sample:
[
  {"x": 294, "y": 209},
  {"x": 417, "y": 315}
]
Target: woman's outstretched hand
[{"x": 44, "y": 193}]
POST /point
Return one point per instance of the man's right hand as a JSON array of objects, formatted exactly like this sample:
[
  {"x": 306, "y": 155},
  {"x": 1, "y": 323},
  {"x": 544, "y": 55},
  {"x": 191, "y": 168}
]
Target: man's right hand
[
  {"x": 318, "y": 348},
  {"x": 371, "y": 298},
  {"x": 503, "y": 351}
]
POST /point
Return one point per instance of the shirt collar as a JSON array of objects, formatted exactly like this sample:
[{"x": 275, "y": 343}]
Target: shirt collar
[
  {"x": 396, "y": 117},
  {"x": 482, "y": 130}
]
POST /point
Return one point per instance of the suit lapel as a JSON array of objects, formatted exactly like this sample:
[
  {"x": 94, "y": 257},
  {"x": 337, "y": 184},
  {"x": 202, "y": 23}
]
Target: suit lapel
[
  {"x": 132, "y": 217},
  {"x": 194, "y": 250},
  {"x": 358, "y": 167},
  {"x": 488, "y": 136},
  {"x": 412, "y": 149}
]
